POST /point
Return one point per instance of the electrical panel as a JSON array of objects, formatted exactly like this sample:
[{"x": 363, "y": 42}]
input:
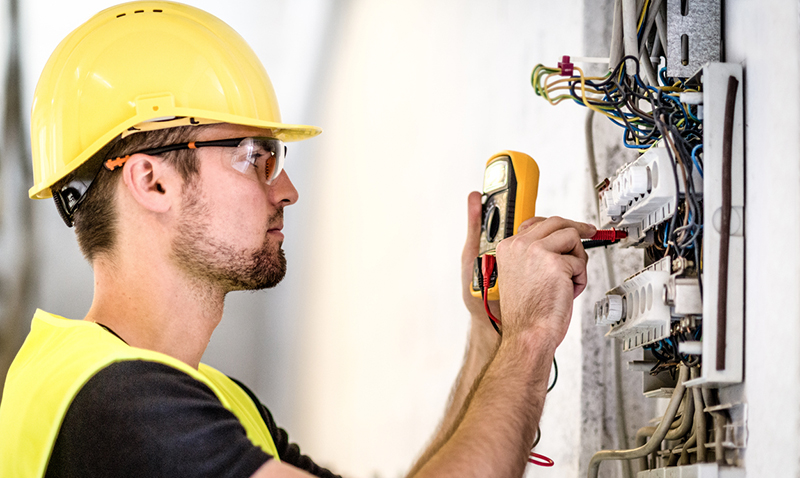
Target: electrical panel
[
  {"x": 640, "y": 197},
  {"x": 686, "y": 307},
  {"x": 681, "y": 200}
]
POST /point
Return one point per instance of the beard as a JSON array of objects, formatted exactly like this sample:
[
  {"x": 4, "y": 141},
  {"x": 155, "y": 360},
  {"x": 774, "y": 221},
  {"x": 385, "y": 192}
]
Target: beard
[{"x": 209, "y": 260}]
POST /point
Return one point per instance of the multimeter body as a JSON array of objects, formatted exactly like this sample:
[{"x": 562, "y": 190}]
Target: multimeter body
[{"x": 510, "y": 187}]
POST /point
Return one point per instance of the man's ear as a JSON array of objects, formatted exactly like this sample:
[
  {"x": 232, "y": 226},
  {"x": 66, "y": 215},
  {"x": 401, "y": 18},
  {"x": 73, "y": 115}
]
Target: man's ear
[{"x": 151, "y": 182}]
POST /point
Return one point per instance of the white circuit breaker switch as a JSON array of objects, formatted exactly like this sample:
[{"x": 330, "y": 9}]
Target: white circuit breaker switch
[
  {"x": 646, "y": 317},
  {"x": 610, "y": 310},
  {"x": 683, "y": 294},
  {"x": 642, "y": 194}
]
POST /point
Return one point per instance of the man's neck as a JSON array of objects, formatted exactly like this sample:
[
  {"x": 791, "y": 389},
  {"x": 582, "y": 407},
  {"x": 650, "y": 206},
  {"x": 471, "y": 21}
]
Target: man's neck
[{"x": 155, "y": 306}]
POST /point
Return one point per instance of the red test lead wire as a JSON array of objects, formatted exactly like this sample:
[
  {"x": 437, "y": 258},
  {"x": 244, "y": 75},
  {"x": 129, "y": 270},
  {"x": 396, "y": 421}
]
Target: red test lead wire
[
  {"x": 488, "y": 263},
  {"x": 540, "y": 460}
]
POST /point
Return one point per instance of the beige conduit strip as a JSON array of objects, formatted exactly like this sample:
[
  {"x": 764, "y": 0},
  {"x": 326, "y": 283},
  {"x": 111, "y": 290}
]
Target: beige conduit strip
[
  {"x": 678, "y": 429},
  {"x": 699, "y": 419},
  {"x": 685, "y": 449},
  {"x": 658, "y": 436}
]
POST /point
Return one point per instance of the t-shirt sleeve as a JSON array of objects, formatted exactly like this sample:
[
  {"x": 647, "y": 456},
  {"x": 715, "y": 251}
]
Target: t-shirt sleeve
[{"x": 139, "y": 418}]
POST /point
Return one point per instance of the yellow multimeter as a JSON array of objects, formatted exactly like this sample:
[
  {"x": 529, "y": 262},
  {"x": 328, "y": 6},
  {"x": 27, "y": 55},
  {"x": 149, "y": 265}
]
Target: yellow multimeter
[{"x": 510, "y": 186}]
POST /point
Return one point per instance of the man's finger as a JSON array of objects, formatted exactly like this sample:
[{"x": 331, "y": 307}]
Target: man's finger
[
  {"x": 529, "y": 222},
  {"x": 579, "y": 277},
  {"x": 554, "y": 223},
  {"x": 473, "y": 224},
  {"x": 565, "y": 241}
]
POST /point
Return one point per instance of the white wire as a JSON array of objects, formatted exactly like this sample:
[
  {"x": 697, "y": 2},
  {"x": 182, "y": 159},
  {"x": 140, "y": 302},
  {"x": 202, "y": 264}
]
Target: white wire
[{"x": 630, "y": 40}]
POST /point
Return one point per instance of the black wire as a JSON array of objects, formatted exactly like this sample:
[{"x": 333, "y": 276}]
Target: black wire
[
  {"x": 496, "y": 329},
  {"x": 555, "y": 378}
]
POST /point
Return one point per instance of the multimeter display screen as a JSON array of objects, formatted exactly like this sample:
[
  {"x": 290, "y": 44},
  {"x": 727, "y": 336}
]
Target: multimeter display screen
[{"x": 496, "y": 176}]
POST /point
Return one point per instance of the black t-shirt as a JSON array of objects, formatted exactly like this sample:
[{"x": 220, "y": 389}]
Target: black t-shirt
[{"x": 145, "y": 419}]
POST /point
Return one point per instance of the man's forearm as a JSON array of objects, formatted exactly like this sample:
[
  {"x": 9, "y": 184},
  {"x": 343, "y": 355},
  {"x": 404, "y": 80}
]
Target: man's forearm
[
  {"x": 498, "y": 425},
  {"x": 481, "y": 348}
]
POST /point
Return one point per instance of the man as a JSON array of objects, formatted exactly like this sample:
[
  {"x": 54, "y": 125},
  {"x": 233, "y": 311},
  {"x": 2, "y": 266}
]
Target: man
[{"x": 156, "y": 131}]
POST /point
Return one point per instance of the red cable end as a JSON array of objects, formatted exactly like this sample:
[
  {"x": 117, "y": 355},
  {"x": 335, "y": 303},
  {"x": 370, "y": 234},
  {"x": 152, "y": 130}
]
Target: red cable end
[
  {"x": 487, "y": 268},
  {"x": 566, "y": 66},
  {"x": 609, "y": 235}
]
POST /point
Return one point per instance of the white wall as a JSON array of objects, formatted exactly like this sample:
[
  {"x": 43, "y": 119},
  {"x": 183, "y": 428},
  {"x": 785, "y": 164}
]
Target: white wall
[
  {"x": 418, "y": 96},
  {"x": 765, "y": 38}
]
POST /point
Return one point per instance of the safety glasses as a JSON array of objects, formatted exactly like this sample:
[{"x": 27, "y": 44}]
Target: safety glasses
[{"x": 258, "y": 157}]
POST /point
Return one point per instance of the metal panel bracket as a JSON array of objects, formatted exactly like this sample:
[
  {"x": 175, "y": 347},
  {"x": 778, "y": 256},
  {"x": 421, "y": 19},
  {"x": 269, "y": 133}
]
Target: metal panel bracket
[{"x": 693, "y": 35}]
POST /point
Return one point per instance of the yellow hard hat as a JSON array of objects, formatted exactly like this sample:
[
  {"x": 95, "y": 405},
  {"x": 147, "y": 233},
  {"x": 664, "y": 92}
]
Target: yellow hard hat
[{"x": 145, "y": 65}]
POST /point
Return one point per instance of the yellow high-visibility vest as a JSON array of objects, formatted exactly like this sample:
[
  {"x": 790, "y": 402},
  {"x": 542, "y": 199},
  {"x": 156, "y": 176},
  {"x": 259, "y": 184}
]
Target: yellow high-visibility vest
[{"x": 58, "y": 357}]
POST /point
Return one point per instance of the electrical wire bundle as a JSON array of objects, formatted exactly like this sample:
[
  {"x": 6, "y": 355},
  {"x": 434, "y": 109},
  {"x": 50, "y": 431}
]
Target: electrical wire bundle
[
  {"x": 619, "y": 96},
  {"x": 669, "y": 357},
  {"x": 649, "y": 115}
]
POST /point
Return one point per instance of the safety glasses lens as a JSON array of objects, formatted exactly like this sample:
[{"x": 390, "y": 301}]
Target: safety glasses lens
[{"x": 262, "y": 157}]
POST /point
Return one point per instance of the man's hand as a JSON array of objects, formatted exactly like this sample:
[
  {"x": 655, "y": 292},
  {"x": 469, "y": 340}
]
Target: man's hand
[
  {"x": 480, "y": 321},
  {"x": 541, "y": 270}
]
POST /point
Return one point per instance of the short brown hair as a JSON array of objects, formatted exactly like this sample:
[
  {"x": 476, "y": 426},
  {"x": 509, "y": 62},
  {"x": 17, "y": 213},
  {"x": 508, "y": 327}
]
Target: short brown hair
[{"x": 96, "y": 217}]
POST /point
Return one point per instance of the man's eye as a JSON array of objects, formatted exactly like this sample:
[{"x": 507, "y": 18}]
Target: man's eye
[{"x": 261, "y": 157}]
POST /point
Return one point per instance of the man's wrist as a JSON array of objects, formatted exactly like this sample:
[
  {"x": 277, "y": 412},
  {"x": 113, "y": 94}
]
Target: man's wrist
[
  {"x": 529, "y": 347},
  {"x": 482, "y": 334}
]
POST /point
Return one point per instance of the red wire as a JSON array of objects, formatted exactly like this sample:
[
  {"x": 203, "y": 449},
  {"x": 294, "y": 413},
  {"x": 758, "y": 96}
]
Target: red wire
[
  {"x": 489, "y": 312},
  {"x": 540, "y": 460},
  {"x": 487, "y": 268}
]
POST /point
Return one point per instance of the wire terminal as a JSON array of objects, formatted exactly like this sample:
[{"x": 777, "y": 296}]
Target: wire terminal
[{"x": 566, "y": 66}]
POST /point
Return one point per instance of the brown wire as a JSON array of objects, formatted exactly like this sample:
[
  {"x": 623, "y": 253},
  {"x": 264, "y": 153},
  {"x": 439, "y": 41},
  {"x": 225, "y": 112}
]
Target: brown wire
[{"x": 725, "y": 222}]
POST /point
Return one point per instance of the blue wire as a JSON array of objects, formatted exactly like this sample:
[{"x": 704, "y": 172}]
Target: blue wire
[
  {"x": 694, "y": 159},
  {"x": 622, "y": 125},
  {"x": 662, "y": 76},
  {"x": 689, "y": 110},
  {"x": 666, "y": 231},
  {"x": 677, "y": 101},
  {"x": 635, "y": 146}
]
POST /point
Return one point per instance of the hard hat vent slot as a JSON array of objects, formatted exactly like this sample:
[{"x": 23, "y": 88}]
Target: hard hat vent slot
[
  {"x": 139, "y": 11},
  {"x": 121, "y": 15}
]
